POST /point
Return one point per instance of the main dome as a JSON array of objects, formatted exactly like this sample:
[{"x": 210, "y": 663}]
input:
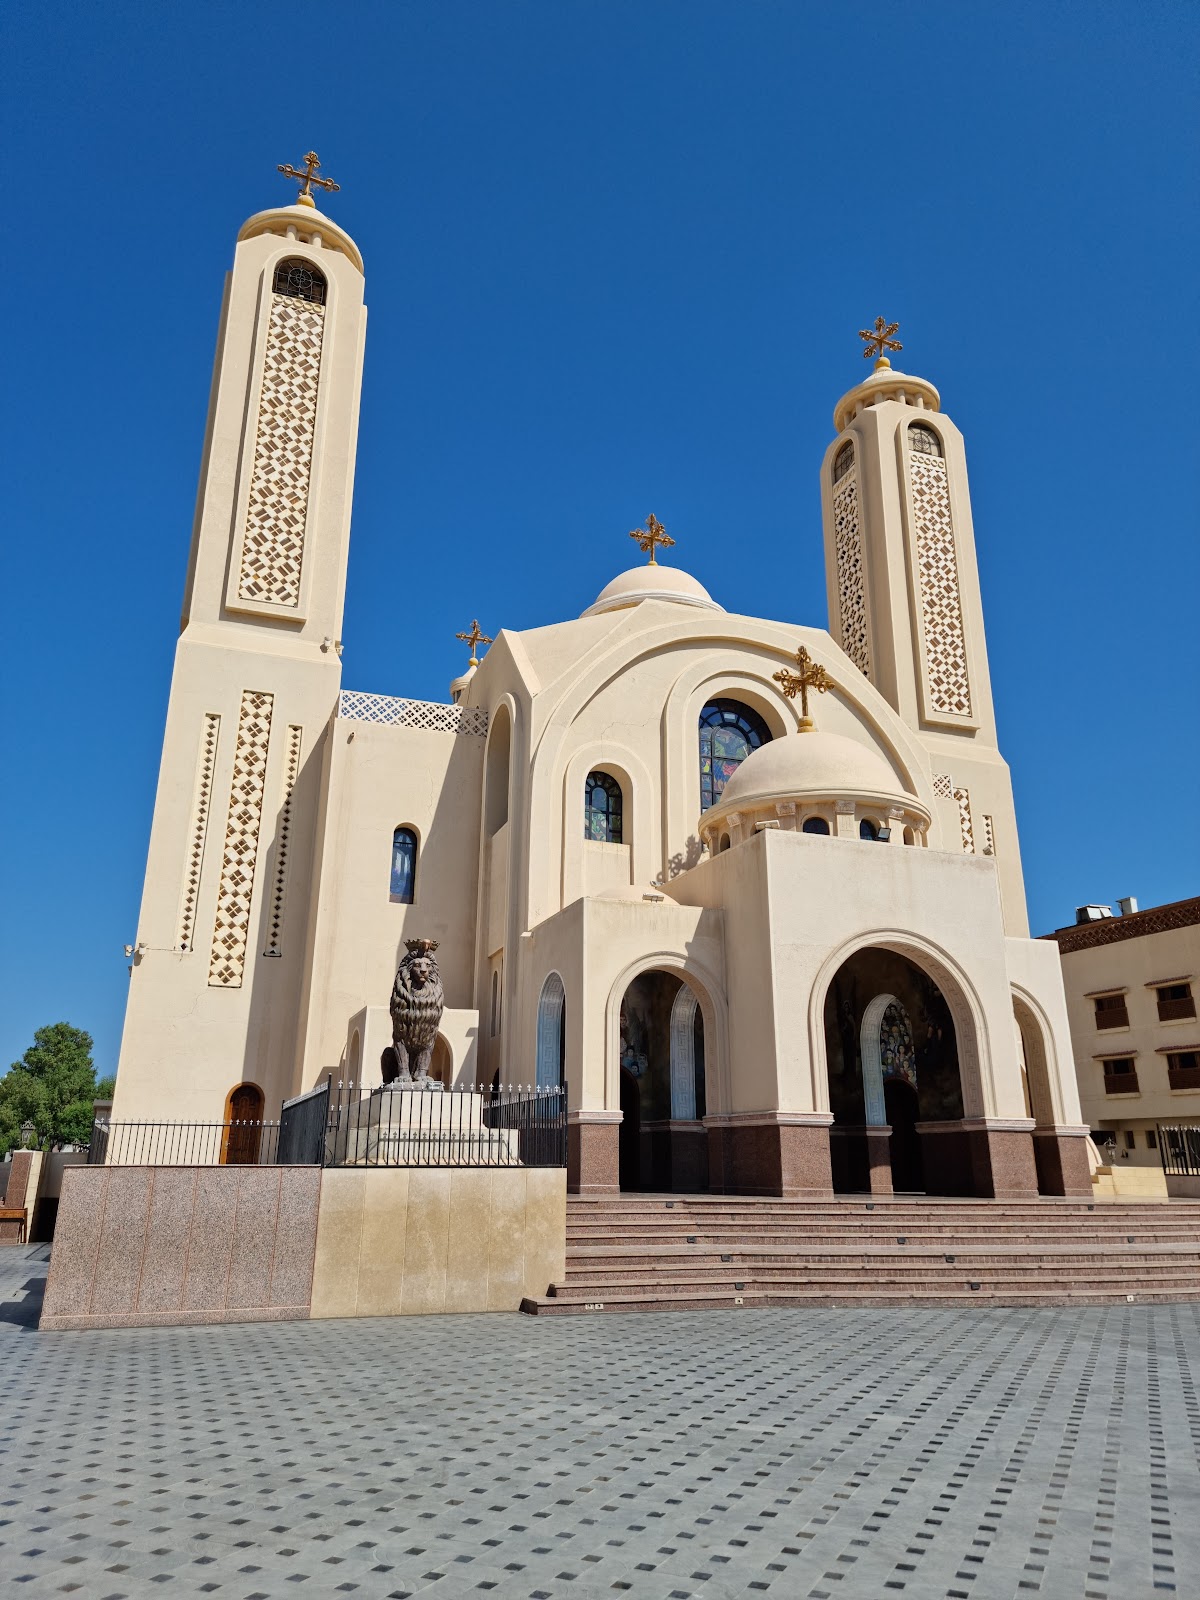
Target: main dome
[
  {"x": 811, "y": 763},
  {"x": 652, "y": 582}
]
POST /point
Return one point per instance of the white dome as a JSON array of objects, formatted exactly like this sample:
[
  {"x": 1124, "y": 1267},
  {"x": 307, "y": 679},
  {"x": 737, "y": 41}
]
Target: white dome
[
  {"x": 811, "y": 763},
  {"x": 652, "y": 583}
]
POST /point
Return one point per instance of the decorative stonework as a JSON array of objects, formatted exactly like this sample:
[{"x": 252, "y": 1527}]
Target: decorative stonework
[
  {"x": 277, "y": 512},
  {"x": 851, "y": 577},
  {"x": 198, "y": 828},
  {"x": 236, "y": 891},
  {"x": 989, "y": 836},
  {"x": 1112, "y": 930},
  {"x": 943, "y": 786},
  {"x": 355, "y": 706},
  {"x": 291, "y": 771},
  {"x": 937, "y": 576},
  {"x": 966, "y": 828}
]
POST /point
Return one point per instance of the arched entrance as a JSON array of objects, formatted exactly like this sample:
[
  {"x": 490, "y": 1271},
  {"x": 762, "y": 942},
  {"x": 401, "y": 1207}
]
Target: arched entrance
[
  {"x": 663, "y": 1143},
  {"x": 243, "y": 1125},
  {"x": 895, "y": 1085}
]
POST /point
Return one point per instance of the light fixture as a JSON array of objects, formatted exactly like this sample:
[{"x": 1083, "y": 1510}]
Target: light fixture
[{"x": 884, "y": 834}]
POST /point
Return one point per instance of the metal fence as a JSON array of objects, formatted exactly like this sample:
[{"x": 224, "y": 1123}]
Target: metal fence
[
  {"x": 349, "y": 1124},
  {"x": 1179, "y": 1149}
]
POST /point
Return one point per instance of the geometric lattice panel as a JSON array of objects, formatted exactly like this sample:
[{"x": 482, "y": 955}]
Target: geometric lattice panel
[
  {"x": 989, "y": 836},
  {"x": 937, "y": 569},
  {"x": 291, "y": 771},
  {"x": 273, "y": 541},
  {"x": 231, "y": 929},
  {"x": 964, "y": 820},
  {"x": 433, "y": 715},
  {"x": 198, "y": 829},
  {"x": 852, "y": 589},
  {"x": 943, "y": 786}
]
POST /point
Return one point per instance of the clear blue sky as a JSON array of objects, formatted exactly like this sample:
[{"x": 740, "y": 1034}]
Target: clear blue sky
[{"x": 617, "y": 251}]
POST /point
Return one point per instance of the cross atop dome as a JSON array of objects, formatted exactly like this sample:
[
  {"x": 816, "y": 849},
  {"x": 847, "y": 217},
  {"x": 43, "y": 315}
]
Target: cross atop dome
[
  {"x": 879, "y": 341},
  {"x": 307, "y": 178},
  {"x": 650, "y": 536},
  {"x": 811, "y": 676}
]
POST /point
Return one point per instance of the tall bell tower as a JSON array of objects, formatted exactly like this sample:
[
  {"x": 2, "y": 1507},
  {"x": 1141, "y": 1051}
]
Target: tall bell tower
[
  {"x": 904, "y": 598},
  {"x": 216, "y": 984}
]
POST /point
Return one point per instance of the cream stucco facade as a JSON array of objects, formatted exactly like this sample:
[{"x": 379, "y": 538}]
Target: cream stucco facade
[{"x": 785, "y": 952}]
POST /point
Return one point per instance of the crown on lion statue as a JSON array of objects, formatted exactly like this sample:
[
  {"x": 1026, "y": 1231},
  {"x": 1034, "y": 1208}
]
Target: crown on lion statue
[{"x": 421, "y": 947}]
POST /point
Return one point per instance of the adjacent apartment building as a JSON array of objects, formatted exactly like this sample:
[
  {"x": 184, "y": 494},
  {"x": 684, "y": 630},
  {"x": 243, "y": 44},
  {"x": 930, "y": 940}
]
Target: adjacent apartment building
[{"x": 1131, "y": 983}]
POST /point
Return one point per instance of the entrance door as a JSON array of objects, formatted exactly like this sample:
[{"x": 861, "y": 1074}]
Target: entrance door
[
  {"x": 630, "y": 1141},
  {"x": 243, "y": 1132},
  {"x": 900, "y": 1099}
]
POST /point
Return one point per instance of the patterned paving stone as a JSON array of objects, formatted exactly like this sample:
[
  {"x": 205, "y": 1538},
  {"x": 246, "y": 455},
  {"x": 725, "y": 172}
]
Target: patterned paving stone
[{"x": 812, "y": 1455}]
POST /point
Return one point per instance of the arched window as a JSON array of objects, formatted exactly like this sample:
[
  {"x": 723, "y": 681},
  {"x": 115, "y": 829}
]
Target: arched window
[
  {"x": 924, "y": 440},
  {"x": 404, "y": 865},
  {"x": 495, "y": 1003},
  {"x": 301, "y": 280},
  {"x": 602, "y": 809},
  {"x": 843, "y": 461},
  {"x": 814, "y": 825},
  {"x": 551, "y": 1033},
  {"x": 728, "y": 733},
  {"x": 868, "y": 830}
]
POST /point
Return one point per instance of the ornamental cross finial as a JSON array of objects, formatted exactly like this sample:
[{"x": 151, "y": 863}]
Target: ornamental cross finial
[
  {"x": 879, "y": 341},
  {"x": 307, "y": 178},
  {"x": 472, "y": 639},
  {"x": 810, "y": 676},
  {"x": 652, "y": 535}
]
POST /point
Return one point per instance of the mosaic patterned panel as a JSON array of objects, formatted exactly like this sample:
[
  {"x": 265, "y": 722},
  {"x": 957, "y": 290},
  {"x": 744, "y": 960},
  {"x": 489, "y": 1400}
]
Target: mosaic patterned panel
[
  {"x": 273, "y": 546},
  {"x": 937, "y": 571},
  {"x": 966, "y": 827},
  {"x": 354, "y": 706},
  {"x": 198, "y": 830},
  {"x": 852, "y": 588},
  {"x": 897, "y": 1052},
  {"x": 238, "y": 861},
  {"x": 295, "y": 738}
]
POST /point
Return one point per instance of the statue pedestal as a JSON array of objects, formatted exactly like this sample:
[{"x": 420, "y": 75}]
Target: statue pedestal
[{"x": 406, "y": 1127}]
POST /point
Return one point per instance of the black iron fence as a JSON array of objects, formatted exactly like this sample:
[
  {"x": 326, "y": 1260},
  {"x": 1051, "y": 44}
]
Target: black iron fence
[
  {"x": 1179, "y": 1150},
  {"x": 349, "y": 1124}
]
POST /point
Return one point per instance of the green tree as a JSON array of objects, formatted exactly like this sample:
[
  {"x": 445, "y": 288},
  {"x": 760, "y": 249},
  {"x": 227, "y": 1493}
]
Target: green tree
[{"x": 52, "y": 1086}]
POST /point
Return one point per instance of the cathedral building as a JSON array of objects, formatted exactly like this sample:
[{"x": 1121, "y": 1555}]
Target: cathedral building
[{"x": 750, "y": 888}]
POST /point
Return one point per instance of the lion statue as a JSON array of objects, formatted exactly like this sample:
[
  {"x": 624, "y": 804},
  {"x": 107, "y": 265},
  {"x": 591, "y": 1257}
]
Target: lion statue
[{"x": 416, "y": 1007}]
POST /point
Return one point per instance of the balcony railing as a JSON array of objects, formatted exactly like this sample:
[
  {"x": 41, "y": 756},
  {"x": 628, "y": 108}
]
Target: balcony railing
[
  {"x": 1183, "y": 1077},
  {"x": 1179, "y": 1150},
  {"x": 1177, "y": 1010},
  {"x": 1113, "y": 1017},
  {"x": 1121, "y": 1082}
]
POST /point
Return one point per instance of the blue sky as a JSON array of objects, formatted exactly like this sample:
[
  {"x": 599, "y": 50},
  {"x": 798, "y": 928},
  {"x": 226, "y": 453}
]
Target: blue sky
[{"x": 617, "y": 252}]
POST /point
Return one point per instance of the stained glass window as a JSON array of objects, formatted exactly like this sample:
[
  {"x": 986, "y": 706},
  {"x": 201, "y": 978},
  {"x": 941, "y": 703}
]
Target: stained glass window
[
  {"x": 728, "y": 733},
  {"x": 924, "y": 439},
  {"x": 843, "y": 461},
  {"x": 301, "y": 280},
  {"x": 404, "y": 865},
  {"x": 602, "y": 809}
]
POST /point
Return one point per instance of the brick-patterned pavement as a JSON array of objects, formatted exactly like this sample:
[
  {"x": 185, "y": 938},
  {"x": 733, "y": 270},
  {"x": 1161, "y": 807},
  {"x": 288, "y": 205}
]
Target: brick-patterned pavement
[{"x": 812, "y": 1455}]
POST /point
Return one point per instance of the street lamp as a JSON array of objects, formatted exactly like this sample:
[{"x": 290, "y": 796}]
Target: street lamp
[{"x": 27, "y": 1132}]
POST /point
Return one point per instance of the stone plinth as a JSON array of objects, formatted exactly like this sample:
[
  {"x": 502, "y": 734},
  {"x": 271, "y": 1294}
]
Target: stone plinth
[{"x": 404, "y": 1127}]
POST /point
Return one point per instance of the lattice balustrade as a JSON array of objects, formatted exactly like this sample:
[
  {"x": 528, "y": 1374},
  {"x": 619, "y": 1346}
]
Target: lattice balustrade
[
  {"x": 277, "y": 512},
  {"x": 851, "y": 577},
  {"x": 295, "y": 738},
  {"x": 354, "y": 706},
  {"x": 239, "y": 859},
  {"x": 198, "y": 827},
  {"x": 937, "y": 573}
]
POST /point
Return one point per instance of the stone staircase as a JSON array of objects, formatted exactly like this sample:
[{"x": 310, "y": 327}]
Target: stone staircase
[{"x": 642, "y": 1252}]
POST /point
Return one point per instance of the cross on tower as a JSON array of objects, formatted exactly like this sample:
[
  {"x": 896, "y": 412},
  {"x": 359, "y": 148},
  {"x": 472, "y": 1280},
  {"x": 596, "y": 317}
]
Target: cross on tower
[
  {"x": 307, "y": 178},
  {"x": 810, "y": 676},
  {"x": 650, "y": 536},
  {"x": 472, "y": 639},
  {"x": 880, "y": 340}
]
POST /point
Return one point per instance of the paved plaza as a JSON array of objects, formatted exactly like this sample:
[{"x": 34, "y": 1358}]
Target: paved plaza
[{"x": 834, "y": 1455}]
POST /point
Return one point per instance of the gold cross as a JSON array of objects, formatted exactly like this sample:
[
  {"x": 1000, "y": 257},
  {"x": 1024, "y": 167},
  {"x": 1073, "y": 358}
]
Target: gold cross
[
  {"x": 308, "y": 177},
  {"x": 880, "y": 340},
  {"x": 810, "y": 676},
  {"x": 475, "y": 637},
  {"x": 651, "y": 535}
]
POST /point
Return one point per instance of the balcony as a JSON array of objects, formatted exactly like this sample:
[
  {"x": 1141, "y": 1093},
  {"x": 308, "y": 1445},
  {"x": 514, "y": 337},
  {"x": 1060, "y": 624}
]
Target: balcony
[
  {"x": 1121, "y": 1082},
  {"x": 1174, "y": 1010},
  {"x": 1184, "y": 1077},
  {"x": 1112, "y": 1016}
]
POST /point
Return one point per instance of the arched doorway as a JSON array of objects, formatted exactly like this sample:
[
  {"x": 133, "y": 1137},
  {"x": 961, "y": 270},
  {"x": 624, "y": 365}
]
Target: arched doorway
[
  {"x": 243, "y": 1125},
  {"x": 895, "y": 1085},
  {"x": 663, "y": 1142}
]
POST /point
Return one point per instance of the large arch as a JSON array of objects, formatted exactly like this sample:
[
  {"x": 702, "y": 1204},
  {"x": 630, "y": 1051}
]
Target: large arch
[
  {"x": 709, "y": 993},
  {"x": 1059, "y": 1148},
  {"x": 663, "y": 1144}
]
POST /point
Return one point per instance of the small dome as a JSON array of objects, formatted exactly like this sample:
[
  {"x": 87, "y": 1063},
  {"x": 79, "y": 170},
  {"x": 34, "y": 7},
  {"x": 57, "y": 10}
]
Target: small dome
[
  {"x": 652, "y": 583},
  {"x": 811, "y": 763}
]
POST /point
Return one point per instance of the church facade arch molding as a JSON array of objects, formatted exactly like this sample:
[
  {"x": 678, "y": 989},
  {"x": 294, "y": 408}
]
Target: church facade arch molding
[
  {"x": 711, "y": 1000},
  {"x": 969, "y": 1015},
  {"x": 1041, "y": 1059},
  {"x": 639, "y": 813},
  {"x": 499, "y": 854}
]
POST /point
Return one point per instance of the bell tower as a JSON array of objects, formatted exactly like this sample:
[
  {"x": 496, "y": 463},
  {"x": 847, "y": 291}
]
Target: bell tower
[
  {"x": 224, "y": 920},
  {"x": 904, "y": 597}
]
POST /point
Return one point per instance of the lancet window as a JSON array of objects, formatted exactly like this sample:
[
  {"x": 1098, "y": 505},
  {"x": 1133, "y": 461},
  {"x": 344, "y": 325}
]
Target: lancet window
[
  {"x": 924, "y": 440},
  {"x": 404, "y": 865},
  {"x": 301, "y": 280},
  {"x": 729, "y": 731},
  {"x": 602, "y": 819},
  {"x": 843, "y": 461}
]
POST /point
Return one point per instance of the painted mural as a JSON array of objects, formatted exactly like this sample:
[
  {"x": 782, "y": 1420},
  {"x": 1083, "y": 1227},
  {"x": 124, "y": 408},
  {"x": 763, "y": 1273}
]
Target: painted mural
[{"x": 897, "y": 1052}]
